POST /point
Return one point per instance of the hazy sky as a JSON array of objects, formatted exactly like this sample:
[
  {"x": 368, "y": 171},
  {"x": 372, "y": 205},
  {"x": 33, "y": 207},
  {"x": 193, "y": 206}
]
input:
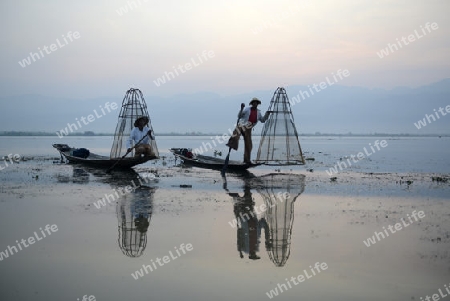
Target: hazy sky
[{"x": 255, "y": 44}]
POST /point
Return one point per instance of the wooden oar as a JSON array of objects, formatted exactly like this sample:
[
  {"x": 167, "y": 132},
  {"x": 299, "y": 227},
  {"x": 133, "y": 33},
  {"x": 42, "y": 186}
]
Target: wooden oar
[
  {"x": 128, "y": 151},
  {"x": 227, "y": 159}
]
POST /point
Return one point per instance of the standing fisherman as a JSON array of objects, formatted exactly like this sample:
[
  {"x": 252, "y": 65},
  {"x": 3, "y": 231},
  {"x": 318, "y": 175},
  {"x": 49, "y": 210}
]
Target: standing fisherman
[{"x": 247, "y": 118}]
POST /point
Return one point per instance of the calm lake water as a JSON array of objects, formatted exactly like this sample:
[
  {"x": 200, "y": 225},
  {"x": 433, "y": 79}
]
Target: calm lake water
[
  {"x": 177, "y": 236},
  {"x": 412, "y": 154}
]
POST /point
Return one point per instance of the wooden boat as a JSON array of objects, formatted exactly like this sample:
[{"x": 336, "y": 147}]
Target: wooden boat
[
  {"x": 208, "y": 162},
  {"x": 99, "y": 161},
  {"x": 133, "y": 108}
]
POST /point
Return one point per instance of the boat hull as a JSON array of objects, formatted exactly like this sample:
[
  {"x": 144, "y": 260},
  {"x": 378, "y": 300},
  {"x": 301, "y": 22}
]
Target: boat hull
[
  {"x": 211, "y": 162},
  {"x": 99, "y": 161}
]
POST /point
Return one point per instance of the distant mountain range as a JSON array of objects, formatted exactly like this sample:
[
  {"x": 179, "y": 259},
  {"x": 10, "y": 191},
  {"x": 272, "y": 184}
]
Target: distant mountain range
[{"x": 335, "y": 109}]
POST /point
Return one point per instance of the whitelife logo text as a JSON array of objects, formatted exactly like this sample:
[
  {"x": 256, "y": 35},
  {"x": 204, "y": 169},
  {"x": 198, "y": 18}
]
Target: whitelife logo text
[
  {"x": 49, "y": 49},
  {"x": 11, "y": 250}
]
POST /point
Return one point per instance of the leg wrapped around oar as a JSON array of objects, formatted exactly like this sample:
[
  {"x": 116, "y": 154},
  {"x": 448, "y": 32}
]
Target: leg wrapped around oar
[{"x": 233, "y": 142}]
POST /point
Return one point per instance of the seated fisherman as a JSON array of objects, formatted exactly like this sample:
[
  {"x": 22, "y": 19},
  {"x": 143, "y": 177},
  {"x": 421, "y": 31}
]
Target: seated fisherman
[{"x": 141, "y": 132}]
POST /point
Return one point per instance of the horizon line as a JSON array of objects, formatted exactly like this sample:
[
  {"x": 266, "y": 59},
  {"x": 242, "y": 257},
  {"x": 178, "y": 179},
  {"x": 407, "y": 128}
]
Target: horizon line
[{"x": 78, "y": 134}]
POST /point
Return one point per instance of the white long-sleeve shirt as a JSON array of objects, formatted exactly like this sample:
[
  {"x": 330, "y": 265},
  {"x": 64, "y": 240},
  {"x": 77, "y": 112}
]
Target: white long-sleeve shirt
[
  {"x": 137, "y": 135},
  {"x": 245, "y": 114}
]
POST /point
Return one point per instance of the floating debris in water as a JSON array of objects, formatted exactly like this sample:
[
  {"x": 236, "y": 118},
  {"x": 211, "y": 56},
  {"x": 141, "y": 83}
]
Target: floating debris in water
[{"x": 440, "y": 179}]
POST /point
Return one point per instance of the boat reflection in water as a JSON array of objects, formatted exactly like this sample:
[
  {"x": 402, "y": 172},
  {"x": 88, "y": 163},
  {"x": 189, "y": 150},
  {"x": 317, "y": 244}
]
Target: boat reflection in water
[
  {"x": 134, "y": 212},
  {"x": 134, "y": 206},
  {"x": 275, "y": 216},
  {"x": 79, "y": 176}
]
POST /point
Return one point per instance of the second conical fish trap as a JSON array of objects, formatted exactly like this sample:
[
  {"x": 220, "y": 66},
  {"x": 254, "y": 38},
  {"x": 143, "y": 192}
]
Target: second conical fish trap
[
  {"x": 279, "y": 139},
  {"x": 279, "y": 192},
  {"x": 133, "y": 106}
]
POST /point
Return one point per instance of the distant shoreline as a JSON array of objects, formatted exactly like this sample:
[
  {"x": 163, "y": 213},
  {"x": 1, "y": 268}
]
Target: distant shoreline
[{"x": 91, "y": 134}]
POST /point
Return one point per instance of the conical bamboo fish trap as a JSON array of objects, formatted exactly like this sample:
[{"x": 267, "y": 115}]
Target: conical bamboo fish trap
[
  {"x": 279, "y": 192},
  {"x": 279, "y": 143},
  {"x": 133, "y": 106}
]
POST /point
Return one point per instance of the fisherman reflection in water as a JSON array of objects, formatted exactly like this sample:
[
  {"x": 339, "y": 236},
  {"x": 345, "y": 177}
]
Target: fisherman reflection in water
[
  {"x": 248, "y": 230},
  {"x": 141, "y": 134},
  {"x": 134, "y": 212}
]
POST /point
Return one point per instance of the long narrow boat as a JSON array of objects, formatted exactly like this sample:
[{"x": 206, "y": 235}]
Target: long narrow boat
[
  {"x": 208, "y": 162},
  {"x": 99, "y": 161}
]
